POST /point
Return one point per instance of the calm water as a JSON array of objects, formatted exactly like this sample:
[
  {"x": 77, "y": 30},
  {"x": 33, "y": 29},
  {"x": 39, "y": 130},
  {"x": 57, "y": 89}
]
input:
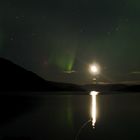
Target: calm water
[{"x": 53, "y": 117}]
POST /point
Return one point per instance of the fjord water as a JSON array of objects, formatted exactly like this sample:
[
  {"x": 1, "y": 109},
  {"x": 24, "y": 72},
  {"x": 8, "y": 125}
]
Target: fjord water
[{"x": 55, "y": 117}]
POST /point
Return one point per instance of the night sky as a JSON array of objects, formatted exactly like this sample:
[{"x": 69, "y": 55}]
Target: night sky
[{"x": 59, "y": 39}]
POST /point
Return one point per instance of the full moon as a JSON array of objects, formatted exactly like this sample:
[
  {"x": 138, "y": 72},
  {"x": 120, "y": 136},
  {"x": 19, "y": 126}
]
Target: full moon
[{"x": 94, "y": 69}]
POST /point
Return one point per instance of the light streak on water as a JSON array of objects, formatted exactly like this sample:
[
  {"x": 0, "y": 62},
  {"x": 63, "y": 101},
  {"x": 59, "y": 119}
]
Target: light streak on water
[{"x": 93, "y": 107}]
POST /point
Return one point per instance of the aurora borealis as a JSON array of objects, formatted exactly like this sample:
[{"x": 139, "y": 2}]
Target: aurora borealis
[{"x": 59, "y": 39}]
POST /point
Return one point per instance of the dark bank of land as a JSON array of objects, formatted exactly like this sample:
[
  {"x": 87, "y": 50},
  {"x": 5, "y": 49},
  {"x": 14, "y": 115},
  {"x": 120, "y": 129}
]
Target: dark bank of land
[
  {"x": 13, "y": 78},
  {"x": 16, "y": 78},
  {"x": 112, "y": 88}
]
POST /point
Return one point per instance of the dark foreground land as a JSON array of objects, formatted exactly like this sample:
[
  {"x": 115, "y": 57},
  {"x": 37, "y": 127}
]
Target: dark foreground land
[{"x": 14, "y": 78}]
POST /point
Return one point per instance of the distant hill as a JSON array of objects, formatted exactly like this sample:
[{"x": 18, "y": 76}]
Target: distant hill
[
  {"x": 112, "y": 87},
  {"x": 16, "y": 78}
]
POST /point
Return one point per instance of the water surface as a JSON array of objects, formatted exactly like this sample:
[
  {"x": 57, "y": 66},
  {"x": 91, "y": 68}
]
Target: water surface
[{"x": 54, "y": 117}]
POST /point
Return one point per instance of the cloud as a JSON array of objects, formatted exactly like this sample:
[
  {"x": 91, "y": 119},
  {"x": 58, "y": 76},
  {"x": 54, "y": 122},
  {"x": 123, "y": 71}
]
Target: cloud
[
  {"x": 135, "y": 82},
  {"x": 135, "y": 72},
  {"x": 69, "y": 72}
]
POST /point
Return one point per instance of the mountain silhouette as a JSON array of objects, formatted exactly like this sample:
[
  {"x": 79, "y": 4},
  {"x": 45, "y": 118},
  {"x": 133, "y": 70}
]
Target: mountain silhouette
[{"x": 16, "y": 78}]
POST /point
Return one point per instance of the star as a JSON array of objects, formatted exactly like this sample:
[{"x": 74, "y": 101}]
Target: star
[{"x": 17, "y": 17}]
